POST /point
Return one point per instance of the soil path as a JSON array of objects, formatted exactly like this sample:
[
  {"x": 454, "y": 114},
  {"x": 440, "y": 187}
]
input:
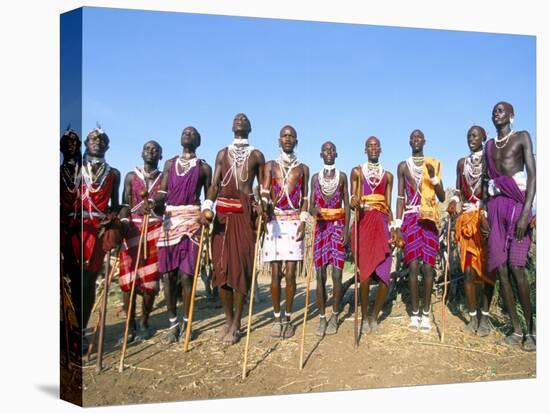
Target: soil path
[{"x": 392, "y": 357}]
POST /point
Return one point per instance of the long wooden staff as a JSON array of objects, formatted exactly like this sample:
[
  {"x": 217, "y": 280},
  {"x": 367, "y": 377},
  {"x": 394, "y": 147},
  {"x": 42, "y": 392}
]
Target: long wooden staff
[
  {"x": 99, "y": 316},
  {"x": 142, "y": 240},
  {"x": 192, "y": 304},
  {"x": 355, "y": 259},
  {"x": 102, "y": 317},
  {"x": 312, "y": 269},
  {"x": 251, "y": 301},
  {"x": 445, "y": 280}
]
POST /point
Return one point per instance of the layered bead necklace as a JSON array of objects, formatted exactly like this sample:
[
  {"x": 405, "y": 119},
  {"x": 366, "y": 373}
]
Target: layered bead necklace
[
  {"x": 238, "y": 158},
  {"x": 473, "y": 170},
  {"x": 327, "y": 184},
  {"x": 91, "y": 178},
  {"x": 184, "y": 163},
  {"x": 373, "y": 173},
  {"x": 504, "y": 139},
  {"x": 71, "y": 179},
  {"x": 416, "y": 168},
  {"x": 146, "y": 177},
  {"x": 286, "y": 163}
]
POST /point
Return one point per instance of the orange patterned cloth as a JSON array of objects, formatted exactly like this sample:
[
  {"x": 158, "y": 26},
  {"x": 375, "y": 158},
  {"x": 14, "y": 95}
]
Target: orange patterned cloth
[
  {"x": 472, "y": 246},
  {"x": 331, "y": 214},
  {"x": 375, "y": 202},
  {"x": 429, "y": 209}
]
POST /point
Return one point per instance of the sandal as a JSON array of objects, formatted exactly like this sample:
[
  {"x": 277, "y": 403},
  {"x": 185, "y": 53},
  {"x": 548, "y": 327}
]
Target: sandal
[
  {"x": 131, "y": 338},
  {"x": 414, "y": 324},
  {"x": 276, "y": 329},
  {"x": 472, "y": 326},
  {"x": 425, "y": 324},
  {"x": 512, "y": 339},
  {"x": 288, "y": 330},
  {"x": 530, "y": 344},
  {"x": 322, "y": 327},
  {"x": 332, "y": 326},
  {"x": 171, "y": 335},
  {"x": 484, "y": 328}
]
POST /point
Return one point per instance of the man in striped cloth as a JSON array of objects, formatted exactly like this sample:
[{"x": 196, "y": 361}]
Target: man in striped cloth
[
  {"x": 184, "y": 177},
  {"x": 140, "y": 187},
  {"x": 330, "y": 207},
  {"x": 371, "y": 186},
  {"x": 100, "y": 227},
  {"x": 284, "y": 191},
  {"x": 419, "y": 188}
]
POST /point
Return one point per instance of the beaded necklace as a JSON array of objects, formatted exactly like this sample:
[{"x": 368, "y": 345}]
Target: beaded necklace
[
  {"x": 238, "y": 159},
  {"x": 473, "y": 170},
  {"x": 328, "y": 185},
  {"x": 373, "y": 173}
]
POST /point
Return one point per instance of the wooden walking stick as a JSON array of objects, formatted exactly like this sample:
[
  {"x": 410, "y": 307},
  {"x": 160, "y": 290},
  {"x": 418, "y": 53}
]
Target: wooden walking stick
[
  {"x": 99, "y": 316},
  {"x": 251, "y": 301},
  {"x": 142, "y": 241},
  {"x": 355, "y": 259},
  {"x": 195, "y": 278},
  {"x": 355, "y": 293},
  {"x": 312, "y": 269},
  {"x": 445, "y": 280},
  {"x": 103, "y": 313}
]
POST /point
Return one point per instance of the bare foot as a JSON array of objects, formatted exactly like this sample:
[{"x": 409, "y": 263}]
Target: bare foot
[
  {"x": 232, "y": 336},
  {"x": 223, "y": 332}
]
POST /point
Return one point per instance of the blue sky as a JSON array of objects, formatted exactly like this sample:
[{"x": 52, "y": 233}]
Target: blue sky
[{"x": 147, "y": 75}]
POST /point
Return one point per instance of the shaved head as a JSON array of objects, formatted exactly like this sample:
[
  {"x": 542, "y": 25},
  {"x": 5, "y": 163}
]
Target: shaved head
[
  {"x": 288, "y": 127},
  {"x": 372, "y": 138},
  {"x": 328, "y": 143},
  {"x": 508, "y": 106}
]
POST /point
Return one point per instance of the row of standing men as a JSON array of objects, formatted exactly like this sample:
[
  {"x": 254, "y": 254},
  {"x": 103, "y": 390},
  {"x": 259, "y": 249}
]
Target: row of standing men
[{"x": 493, "y": 199}]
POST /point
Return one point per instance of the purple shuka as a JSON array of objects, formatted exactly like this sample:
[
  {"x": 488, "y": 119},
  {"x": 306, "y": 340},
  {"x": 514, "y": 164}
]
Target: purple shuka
[
  {"x": 181, "y": 191},
  {"x": 504, "y": 210}
]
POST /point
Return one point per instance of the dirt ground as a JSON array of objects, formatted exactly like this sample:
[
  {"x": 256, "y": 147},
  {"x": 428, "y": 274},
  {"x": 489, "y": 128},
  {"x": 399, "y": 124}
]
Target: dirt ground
[{"x": 392, "y": 357}]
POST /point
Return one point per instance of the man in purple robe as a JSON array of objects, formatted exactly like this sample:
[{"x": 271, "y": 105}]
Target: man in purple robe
[
  {"x": 510, "y": 194},
  {"x": 183, "y": 178}
]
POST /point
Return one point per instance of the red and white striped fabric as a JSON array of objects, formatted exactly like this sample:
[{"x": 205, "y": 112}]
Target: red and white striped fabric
[
  {"x": 148, "y": 275},
  {"x": 179, "y": 221}
]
